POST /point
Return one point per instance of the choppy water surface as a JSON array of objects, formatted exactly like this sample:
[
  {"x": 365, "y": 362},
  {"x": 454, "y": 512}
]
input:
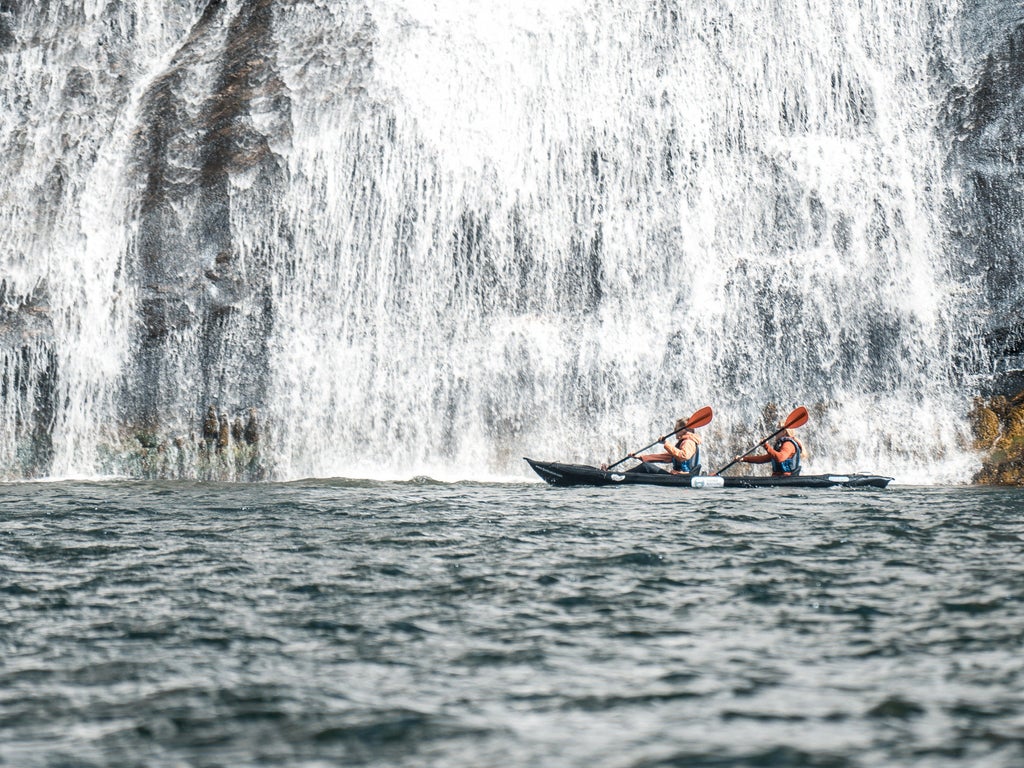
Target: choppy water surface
[{"x": 400, "y": 624}]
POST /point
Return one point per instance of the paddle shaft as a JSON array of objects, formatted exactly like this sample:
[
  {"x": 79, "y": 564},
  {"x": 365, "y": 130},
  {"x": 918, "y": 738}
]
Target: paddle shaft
[
  {"x": 773, "y": 434},
  {"x": 656, "y": 442},
  {"x": 699, "y": 418}
]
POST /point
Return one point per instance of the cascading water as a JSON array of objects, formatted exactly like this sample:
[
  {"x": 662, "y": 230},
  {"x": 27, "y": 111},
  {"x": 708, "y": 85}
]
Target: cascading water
[{"x": 433, "y": 237}]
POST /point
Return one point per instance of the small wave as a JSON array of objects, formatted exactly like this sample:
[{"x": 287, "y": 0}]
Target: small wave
[
  {"x": 983, "y": 606},
  {"x": 896, "y": 707},
  {"x": 639, "y": 558}
]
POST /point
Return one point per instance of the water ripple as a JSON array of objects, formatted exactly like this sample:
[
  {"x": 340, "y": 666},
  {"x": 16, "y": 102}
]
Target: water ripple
[{"x": 410, "y": 624}]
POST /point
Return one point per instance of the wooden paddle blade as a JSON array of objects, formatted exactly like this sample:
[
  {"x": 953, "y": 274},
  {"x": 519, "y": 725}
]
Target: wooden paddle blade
[
  {"x": 700, "y": 418},
  {"x": 796, "y": 419}
]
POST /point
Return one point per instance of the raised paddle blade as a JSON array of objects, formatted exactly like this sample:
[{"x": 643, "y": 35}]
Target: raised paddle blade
[
  {"x": 700, "y": 418},
  {"x": 796, "y": 418},
  {"x": 697, "y": 419}
]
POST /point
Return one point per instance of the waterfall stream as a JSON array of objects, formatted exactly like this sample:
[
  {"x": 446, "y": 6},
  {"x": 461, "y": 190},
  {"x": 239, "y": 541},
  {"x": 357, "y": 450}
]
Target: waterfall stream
[{"x": 429, "y": 238}]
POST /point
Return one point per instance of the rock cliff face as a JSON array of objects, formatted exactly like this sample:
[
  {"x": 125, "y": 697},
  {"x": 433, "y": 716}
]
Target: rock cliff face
[
  {"x": 983, "y": 119},
  {"x": 207, "y": 121},
  {"x": 352, "y": 221}
]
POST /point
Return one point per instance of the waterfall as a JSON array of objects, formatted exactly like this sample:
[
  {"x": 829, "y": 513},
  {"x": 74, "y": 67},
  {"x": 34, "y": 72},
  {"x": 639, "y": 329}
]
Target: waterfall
[{"x": 429, "y": 238}]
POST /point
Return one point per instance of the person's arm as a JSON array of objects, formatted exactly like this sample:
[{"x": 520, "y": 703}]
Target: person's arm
[
  {"x": 684, "y": 452},
  {"x": 785, "y": 452},
  {"x": 654, "y": 457},
  {"x": 762, "y": 459}
]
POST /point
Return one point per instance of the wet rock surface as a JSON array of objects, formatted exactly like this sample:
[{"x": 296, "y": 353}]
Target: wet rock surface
[{"x": 998, "y": 426}]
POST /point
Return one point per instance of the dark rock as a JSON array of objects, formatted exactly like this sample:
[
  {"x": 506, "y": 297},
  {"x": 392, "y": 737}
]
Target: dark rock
[{"x": 986, "y": 209}]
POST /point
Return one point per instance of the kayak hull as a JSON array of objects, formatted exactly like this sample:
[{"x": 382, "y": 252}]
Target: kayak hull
[{"x": 557, "y": 473}]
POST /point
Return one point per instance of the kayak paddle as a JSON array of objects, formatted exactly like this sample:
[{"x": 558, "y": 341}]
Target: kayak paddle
[
  {"x": 796, "y": 419},
  {"x": 700, "y": 418}
]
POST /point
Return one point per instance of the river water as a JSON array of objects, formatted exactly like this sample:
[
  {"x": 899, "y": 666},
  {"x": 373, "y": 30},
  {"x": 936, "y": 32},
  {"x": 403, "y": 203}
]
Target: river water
[{"x": 329, "y": 623}]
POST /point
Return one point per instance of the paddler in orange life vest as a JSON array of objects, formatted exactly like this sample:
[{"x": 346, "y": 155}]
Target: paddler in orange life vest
[
  {"x": 784, "y": 455},
  {"x": 684, "y": 454}
]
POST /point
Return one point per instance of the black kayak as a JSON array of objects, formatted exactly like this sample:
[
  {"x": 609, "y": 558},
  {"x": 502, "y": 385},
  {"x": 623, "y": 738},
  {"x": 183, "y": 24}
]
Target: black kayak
[{"x": 644, "y": 474}]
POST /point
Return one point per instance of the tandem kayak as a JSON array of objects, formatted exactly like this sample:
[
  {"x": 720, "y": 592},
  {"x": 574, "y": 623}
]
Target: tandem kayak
[{"x": 581, "y": 474}]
